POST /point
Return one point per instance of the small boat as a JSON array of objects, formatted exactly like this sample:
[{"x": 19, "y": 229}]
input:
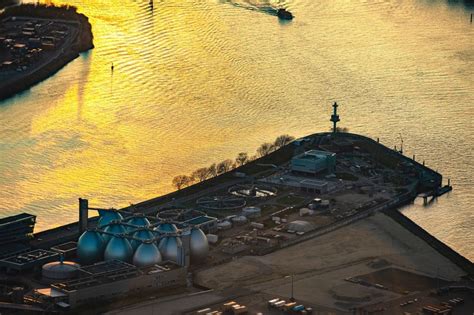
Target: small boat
[{"x": 284, "y": 14}]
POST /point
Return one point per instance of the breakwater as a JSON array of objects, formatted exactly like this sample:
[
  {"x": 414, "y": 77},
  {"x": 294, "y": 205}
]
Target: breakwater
[{"x": 82, "y": 43}]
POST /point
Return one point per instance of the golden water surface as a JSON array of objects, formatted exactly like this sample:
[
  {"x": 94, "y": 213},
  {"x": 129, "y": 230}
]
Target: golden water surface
[{"x": 196, "y": 82}]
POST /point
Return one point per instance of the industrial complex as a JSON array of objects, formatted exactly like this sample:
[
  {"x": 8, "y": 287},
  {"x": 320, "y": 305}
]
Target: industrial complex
[{"x": 312, "y": 228}]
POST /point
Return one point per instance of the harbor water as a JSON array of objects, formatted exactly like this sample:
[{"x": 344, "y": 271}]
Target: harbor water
[{"x": 196, "y": 82}]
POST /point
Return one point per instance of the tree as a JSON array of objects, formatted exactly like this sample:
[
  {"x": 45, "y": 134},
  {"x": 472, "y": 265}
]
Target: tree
[
  {"x": 242, "y": 158},
  {"x": 181, "y": 180},
  {"x": 283, "y": 140},
  {"x": 212, "y": 170},
  {"x": 224, "y": 166},
  {"x": 265, "y": 149},
  {"x": 201, "y": 174}
]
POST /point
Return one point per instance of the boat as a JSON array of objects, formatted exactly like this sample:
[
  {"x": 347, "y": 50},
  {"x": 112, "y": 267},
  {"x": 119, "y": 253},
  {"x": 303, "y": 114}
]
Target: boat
[{"x": 284, "y": 14}]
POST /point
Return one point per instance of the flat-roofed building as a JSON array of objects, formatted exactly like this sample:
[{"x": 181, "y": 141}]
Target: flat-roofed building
[{"x": 314, "y": 162}]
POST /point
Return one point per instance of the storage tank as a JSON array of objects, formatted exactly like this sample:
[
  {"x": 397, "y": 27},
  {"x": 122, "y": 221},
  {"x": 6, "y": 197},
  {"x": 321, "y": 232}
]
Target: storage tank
[
  {"x": 139, "y": 221},
  {"x": 198, "y": 246},
  {"x": 239, "y": 220},
  {"x": 118, "y": 248},
  {"x": 115, "y": 228},
  {"x": 147, "y": 254},
  {"x": 90, "y": 247},
  {"x": 168, "y": 247},
  {"x": 167, "y": 228},
  {"x": 142, "y": 235},
  {"x": 108, "y": 216},
  {"x": 60, "y": 270},
  {"x": 252, "y": 212},
  {"x": 224, "y": 225}
]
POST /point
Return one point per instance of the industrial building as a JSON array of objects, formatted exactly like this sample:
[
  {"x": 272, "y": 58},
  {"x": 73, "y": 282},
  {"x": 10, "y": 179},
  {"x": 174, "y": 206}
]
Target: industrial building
[{"x": 313, "y": 162}]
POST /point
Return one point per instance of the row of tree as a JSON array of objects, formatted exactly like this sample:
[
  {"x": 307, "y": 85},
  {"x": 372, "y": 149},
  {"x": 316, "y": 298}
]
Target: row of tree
[{"x": 242, "y": 158}]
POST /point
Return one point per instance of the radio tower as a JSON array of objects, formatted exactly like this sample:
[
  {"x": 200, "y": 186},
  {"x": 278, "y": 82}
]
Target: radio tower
[{"x": 334, "y": 118}]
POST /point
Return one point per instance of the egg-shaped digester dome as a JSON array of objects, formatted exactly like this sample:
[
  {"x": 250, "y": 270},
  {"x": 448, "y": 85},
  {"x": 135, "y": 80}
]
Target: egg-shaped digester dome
[
  {"x": 115, "y": 228},
  {"x": 198, "y": 246},
  {"x": 90, "y": 247},
  {"x": 166, "y": 228},
  {"x": 118, "y": 248},
  {"x": 169, "y": 247},
  {"x": 108, "y": 216},
  {"x": 147, "y": 254},
  {"x": 143, "y": 235},
  {"x": 139, "y": 221}
]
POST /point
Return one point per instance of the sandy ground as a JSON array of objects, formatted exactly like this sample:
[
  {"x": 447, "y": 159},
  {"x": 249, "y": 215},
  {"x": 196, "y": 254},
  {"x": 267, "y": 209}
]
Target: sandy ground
[{"x": 320, "y": 265}]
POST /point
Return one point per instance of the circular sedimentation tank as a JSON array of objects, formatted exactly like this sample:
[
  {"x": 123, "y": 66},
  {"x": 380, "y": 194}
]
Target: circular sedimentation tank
[
  {"x": 60, "y": 270},
  {"x": 147, "y": 254},
  {"x": 118, "y": 248},
  {"x": 143, "y": 235},
  {"x": 108, "y": 216},
  {"x": 198, "y": 245},
  {"x": 90, "y": 247},
  {"x": 169, "y": 247}
]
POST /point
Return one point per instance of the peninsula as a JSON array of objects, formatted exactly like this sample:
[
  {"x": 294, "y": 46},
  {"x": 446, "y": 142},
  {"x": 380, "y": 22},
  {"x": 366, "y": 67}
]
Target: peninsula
[
  {"x": 312, "y": 227},
  {"x": 38, "y": 40}
]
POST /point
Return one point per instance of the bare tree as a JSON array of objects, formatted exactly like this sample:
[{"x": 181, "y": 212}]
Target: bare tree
[
  {"x": 283, "y": 140},
  {"x": 181, "y": 180},
  {"x": 265, "y": 149},
  {"x": 201, "y": 174},
  {"x": 242, "y": 158},
  {"x": 224, "y": 166},
  {"x": 212, "y": 170}
]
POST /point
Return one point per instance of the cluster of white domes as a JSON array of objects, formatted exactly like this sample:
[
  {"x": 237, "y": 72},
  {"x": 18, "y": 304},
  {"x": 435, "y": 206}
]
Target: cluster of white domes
[{"x": 142, "y": 250}]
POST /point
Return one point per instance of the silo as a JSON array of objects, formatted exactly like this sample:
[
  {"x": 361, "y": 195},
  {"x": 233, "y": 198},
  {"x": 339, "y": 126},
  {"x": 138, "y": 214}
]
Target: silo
[
  {"x": 147, "y": 254},
  {"x": 90, "y": 247},
  {"x": 115, "y": 227},
  {"x": 108, "y": 216},
  {"x": 168, "y": 247},
  {"x": 118, "y": 248},
  {"x": 199, "y": 246},
  {"x": 142, "y": 235}
]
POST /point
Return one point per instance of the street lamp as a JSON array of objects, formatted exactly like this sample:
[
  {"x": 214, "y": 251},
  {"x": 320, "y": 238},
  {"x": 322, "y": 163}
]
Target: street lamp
[{"x": 292, "y": 298}]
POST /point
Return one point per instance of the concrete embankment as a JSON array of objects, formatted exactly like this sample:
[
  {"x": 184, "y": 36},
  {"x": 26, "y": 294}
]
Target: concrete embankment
[
  {"x": 82, "y": 43},
  {"x": 462, "y": 262}
]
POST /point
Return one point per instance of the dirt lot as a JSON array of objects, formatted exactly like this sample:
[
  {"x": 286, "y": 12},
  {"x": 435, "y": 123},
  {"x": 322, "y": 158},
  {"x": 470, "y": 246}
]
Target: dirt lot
[{"x": 320, "y": 265}]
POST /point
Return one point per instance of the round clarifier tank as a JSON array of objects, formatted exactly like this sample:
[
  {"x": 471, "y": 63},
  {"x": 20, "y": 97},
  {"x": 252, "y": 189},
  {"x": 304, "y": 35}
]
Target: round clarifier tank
[
  {"x": 115, "y": 228},
  {"x": 118, "y": 248},
  {"x": 142, "y": 235},
  {"x": 198, "y": 246},
  {"x": 169, "y": 248},
  {"x": 147, "y": 254},
  {"x": 108, "y": 216},
  {"x": 90, "y": 247},
  {"x": 60, "y": 270}
]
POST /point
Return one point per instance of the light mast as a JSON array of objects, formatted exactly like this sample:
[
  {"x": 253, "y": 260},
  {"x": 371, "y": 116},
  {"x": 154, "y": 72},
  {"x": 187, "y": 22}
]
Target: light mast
[{"x": 334, "y": 118}]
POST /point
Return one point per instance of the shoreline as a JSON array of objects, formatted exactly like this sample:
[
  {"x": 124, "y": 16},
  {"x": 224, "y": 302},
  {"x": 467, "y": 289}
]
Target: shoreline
[
  {"x": 69, "y": 232},
  {"x": 82, "y": 42}
]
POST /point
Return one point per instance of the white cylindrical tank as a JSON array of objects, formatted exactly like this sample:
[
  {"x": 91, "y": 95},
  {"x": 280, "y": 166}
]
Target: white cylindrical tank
[
  {"x": 147, "y": 254},
  {"x": 168, "y": 247},
  {"x": 115, "y": 228},
  {"x": 224, "y": 225},
  {"x": 252, "y": 212},
  {"x": 143, "y": 235},
  {"x": 90, "y": 247},
  {"x": 198, "y": 246},
  {"x": 108, "y": 216},
  {"x": 240, "y": 219},
  {"x": 118, "y": 248},
  {"x": 60, "y": 270}
]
